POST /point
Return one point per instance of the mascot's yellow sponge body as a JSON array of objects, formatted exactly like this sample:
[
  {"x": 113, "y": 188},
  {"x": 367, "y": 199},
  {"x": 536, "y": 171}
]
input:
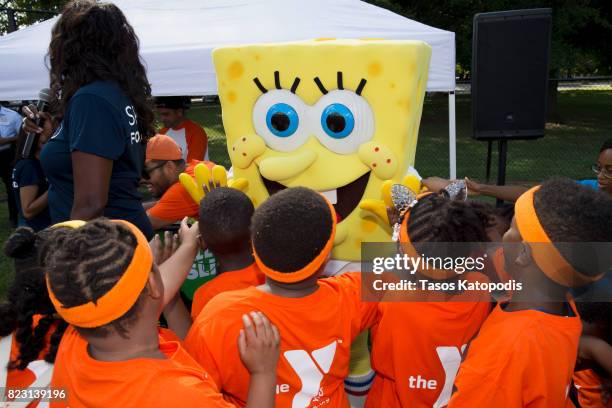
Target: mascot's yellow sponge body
[{"x": 338, "y": 116}]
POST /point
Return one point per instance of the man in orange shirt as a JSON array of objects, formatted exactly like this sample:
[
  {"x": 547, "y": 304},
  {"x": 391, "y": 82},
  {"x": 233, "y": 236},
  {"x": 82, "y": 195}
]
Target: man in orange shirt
[
  {"x": 524, "y": 354},
  {"x": 163, "y": 165},
  {"x": 225, "y": 221},
  {"x": 292, "y": 234},
  {"x": 417, "y": 345},
  {"x": 190, "y": 136},
  {"x": 103, "y": 281}
]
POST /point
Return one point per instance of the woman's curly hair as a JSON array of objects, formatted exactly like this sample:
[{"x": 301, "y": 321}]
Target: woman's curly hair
[{"x": 94, "y": 41}]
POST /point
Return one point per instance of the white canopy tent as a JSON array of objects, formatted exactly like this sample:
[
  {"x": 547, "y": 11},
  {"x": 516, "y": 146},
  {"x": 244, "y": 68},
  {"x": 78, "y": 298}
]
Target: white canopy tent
[{"x": 177, "y": 38}]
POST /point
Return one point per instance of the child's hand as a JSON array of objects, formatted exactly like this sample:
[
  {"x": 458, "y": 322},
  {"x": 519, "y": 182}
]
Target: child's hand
[
  {"x": 189, "y": 234},
  {"x": 473, "y": 187},
  {"x": 259, "y": 344},
  {"x": 163, "y": 251}
]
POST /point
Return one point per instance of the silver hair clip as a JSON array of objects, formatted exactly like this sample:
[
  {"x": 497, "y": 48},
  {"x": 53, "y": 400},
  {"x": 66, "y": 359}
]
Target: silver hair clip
[
  {"x": 456, "y": 190},
  {"x": 403, "y": 200}
]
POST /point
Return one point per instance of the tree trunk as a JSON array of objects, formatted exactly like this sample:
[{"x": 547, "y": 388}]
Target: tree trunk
[{"x": 552, "y": 114}]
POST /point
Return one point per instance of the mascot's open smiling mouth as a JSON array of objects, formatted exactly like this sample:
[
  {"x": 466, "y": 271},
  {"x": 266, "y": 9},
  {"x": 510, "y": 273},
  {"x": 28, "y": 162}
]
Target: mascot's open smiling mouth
[{"x": 345, "y": 199}]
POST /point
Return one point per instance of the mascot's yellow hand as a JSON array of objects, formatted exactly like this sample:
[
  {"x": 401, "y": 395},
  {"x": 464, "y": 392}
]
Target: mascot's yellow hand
[
  {"x": 239, "y": 184},
  {"x": 413, "y": 183},
  {"x": 196, "y": 193},
  {"x": 376, "y": 207},
  {"x": 379, "y": 207},
  {"x": 217, "y": 177}
]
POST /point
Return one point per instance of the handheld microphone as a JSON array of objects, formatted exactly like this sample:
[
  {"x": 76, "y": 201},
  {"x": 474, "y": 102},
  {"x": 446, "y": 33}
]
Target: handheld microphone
[{"x": 31, "y": 139}]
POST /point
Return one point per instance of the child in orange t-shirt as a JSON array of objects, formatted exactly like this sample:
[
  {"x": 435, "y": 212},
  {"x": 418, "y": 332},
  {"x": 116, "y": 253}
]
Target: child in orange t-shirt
[
  {"x": 103, "y": 281},
  {"x": 417, "y": 345},
  {"x": 30, "y": 330},
  {"x": 593, "y": 375},
  {"x": 525, "y": 352},
  {"x": 225, "y": 220},
  {"x": 292, "y": 233}
]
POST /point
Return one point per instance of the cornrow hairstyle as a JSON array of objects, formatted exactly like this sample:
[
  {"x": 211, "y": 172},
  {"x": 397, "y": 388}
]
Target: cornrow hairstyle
[
  {"x": 28, "y": 296},
  {"x": 569, "y": 212},
  {"x": 291, "y": 228},
  {"x": 606, "y": 145},
  {"x": 225, "y": 220},
  {"x": 85, "y": 263},
  {"x": 436, "y": 218}
]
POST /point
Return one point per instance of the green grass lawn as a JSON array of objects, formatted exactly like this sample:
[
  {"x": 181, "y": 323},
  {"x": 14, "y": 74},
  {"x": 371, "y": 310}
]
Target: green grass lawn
[{"x": 568, "y": 149}]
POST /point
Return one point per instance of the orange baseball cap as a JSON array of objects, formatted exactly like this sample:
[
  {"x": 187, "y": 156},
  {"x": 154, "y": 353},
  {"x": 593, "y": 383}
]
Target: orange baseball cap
[{"x": 162, "y": 147}]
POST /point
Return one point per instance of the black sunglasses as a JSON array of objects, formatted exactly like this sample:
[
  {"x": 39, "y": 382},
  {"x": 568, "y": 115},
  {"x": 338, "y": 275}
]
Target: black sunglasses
[{"x": 146, "y": 173}]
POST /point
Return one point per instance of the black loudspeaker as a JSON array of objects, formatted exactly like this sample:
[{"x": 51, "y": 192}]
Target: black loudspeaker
[{"x": 510, "y": 54}]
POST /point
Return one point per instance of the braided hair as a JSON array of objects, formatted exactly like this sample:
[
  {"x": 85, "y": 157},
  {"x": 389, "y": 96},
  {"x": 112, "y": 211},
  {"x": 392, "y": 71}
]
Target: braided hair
[
  {"x": 27, "y": 297},
  {"x": 86, "y": 263},
  {"x": 436, "y": 218}
]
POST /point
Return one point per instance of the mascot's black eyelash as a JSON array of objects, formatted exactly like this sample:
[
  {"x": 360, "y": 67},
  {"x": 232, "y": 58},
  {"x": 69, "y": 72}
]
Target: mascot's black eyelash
[
  {"x": 340, "y": 84},
  {"x": 277, "y": 84},
  {"x": 296, "y": 83}
]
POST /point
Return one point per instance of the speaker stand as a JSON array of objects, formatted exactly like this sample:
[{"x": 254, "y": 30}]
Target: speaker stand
[
  {"x": 501, "y": 165},
  {"x": 489, "y": 154}
]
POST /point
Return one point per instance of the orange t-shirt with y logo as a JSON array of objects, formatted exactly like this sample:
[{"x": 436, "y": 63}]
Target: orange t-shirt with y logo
[
  {"x": 224, "y": 282},
  {"x": 417, "y": 346},
  {"x": 316, "y": 335},
  {"x": 520, "y": 359},
  {"x": 176, "y": 381}
]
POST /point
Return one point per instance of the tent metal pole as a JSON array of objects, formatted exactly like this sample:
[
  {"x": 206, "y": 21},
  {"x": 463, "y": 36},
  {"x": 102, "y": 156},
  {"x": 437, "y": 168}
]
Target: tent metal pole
[{"x": 452, "y": 136}]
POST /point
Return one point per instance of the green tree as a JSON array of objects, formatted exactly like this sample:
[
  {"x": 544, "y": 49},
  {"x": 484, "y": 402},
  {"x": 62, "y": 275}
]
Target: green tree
[
  {"x": 582, "y": 29},
  {"x": 26, "y": 12}
]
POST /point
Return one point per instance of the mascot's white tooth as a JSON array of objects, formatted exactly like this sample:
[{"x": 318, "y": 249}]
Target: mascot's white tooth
[{"x": 331, "y": 195}]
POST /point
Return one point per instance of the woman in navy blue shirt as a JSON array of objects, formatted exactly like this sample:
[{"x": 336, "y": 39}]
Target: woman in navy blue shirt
[{"x": 100, "y": 91}]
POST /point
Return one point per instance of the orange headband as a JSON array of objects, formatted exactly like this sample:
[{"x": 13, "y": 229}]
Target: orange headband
[
  {"x": 308, "y": 270},
  {"x": 409, "y": 249},
  {"x": 117, "y": 301},
  {"x": 547, "y": 257}
]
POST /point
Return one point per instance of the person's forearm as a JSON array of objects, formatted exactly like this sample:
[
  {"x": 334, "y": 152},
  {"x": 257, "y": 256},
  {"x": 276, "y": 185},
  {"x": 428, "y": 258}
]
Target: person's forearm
[
  {"x": 506, "y": 193},
  {"x": 602, "y": 354},
  {"x": 262, "y": 388},
  {"x": 178, "y": 317},
  {"x": 176, "y": 268},
  {"x": 36, "y": 206},
  {"x": 158, "y": 223},
  {"x": 87, "y": 210},
  {"x": 149, "y": 204}
]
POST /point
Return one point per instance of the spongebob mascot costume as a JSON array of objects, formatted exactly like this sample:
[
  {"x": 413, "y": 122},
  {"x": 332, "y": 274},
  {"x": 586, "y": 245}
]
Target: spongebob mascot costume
[{"x": 338, "y": 116}]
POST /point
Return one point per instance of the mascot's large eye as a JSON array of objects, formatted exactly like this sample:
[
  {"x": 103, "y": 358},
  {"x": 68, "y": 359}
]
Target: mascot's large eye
[
  {"x": 344, "y": 121},
  {"x": 278, "y": 117},
  {"x": 282, "y": 120},
  {"x": 337, "y": 121}
]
